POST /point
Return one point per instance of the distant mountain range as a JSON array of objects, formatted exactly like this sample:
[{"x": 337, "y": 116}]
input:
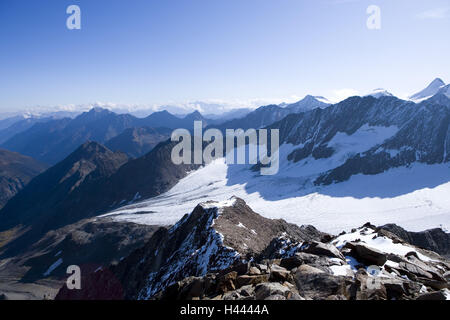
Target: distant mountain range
[
  {"x": 266, "y": 115},
  {"x": 16, "y": 125},
  {"x": 53, "y": 140},
  {"x": 7, "y": 122},
  {"x": 49, "y": 140}
]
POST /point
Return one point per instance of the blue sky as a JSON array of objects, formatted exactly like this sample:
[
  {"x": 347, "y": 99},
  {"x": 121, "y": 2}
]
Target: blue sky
[{"x": 160, "y": 51}]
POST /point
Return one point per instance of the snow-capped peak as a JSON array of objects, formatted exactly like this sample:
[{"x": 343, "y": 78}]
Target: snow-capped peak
[
  {"x": 314, "y": 99},
  {"x": 309, "y": 102},
  {"x": 380, "y": 92},
  {"x": 429, "y": 91}
]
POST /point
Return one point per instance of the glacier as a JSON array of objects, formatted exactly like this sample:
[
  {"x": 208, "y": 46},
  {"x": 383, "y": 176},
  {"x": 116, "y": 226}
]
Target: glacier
[{"x": 415, "y": 197}]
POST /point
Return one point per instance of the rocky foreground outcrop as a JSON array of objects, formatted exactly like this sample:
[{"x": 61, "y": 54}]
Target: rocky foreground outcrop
[{"x": 226, "y": 251}]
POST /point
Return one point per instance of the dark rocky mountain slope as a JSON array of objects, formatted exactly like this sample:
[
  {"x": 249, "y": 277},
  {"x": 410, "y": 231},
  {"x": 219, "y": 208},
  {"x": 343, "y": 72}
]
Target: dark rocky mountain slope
[
  {"x": 90, "y": 181},
  {"x": 53, "y": 198},
  {"x": 91, "y": 244},
  {"x": 418, "y": 133},
  {"x": 16, "y": 171}
]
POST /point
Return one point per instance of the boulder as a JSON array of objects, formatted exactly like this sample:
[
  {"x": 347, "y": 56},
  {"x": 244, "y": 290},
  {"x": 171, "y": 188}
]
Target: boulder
[
  {"x": 324, "y": 249},
  {"x": 307, "y": 258},
  {"x": 247, "y": 291},
  {"x": 227, "y": 282},
  {"x": 254, "y": 271},
  {"x": 436, "y": 295},
  {"x": 278, "y": 273},
  {"x": 265, "y": 290},
  {"x": 307, "y": 269},
  {"x": 316, "y": 261},
  {"x": 366, "y": 254},
  {"x": 369, "y": 287},
  {"x": 394, "y": 258},
  {"x": 447, "y": 276},
  {"x": 395, "y": 288},
  {"x": 245, "y": 280},
  {"x": 296, "y": 296},
  {"x": 314, "y": 283},
  {"x": 263, "y": 268},
  {"x": 435, "y": 284},
  {"x": 291, "y": 262},
  {"x": 244, "y": 293},
  {"x": 412, "y": 288},
  {"x": 239, "y": 268},
  {"x": 232, "y": 295},
  {"x": 409, "y": 268},
  {"x": 194, "y": 288},
  {"x": 427, "y": 267}
]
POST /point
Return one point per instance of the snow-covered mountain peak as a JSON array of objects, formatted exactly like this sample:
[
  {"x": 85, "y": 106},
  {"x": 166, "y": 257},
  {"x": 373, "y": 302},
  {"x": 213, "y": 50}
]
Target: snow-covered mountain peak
[
  {"x": 433, "y": 88},
  {"x": 437, "y": 82},
  {"x": 380, "y": 92},
  {"x": 309, "y": 102},
  {"x": 314, "y": 99}
]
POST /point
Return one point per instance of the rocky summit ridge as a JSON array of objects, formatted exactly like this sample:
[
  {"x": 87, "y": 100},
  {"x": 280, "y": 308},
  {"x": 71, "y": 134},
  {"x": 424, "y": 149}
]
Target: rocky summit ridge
[{"x": 225, "y": 251}]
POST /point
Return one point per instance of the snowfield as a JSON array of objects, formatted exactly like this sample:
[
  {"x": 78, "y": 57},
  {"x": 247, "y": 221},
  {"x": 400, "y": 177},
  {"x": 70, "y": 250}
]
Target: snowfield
[
  {"x": 415, "y": 197},
  {"x": 330, "y": 208}
]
